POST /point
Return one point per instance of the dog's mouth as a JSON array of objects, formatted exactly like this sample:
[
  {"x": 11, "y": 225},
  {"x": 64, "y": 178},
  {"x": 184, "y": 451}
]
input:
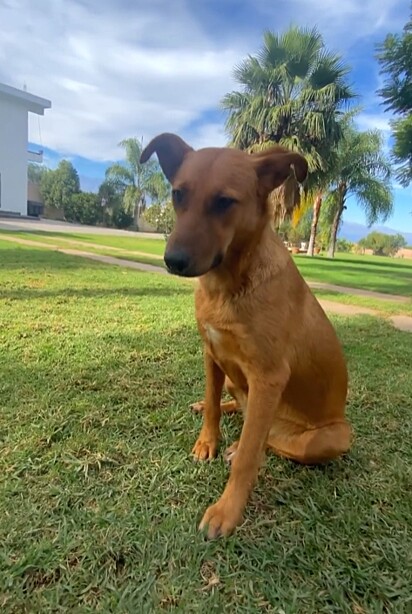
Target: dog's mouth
[{"x": 183, "y": 268}]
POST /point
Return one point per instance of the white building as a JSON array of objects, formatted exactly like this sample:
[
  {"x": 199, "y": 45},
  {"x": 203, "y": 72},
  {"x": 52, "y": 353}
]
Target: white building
[{"x": 15, "y": 105}]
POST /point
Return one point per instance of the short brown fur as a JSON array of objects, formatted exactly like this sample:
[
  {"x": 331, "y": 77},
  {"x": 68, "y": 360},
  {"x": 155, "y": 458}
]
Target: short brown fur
[{"x": 266, "y": 338}]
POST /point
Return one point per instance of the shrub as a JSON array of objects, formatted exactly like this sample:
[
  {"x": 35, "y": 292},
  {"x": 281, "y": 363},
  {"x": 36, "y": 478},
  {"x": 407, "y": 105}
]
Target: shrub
[
  {"x": 161, "y": 217},
  {"x": 382, "y": 244},
  {"x": 343, "y": 245},
  {"x": 121, "y": 218},
  {"x": 84, "y": 208}
]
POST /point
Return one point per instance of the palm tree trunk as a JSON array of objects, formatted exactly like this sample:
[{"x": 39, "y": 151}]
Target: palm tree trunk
[
  {"x": 136, "y": 214},
  {"x": 140, "y": 207},
  {"x": 315, "y": 220},
  {"x": 336, "y": 220}
]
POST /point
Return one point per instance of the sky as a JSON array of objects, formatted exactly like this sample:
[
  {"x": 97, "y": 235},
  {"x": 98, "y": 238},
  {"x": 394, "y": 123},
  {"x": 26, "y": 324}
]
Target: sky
[{"x": 120, "y": 68}]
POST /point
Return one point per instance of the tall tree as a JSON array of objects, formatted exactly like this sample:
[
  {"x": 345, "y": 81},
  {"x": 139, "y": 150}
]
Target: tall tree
[
  {"x": 322, "y": 179},
  {"x": 383, "y": 244},
  {"x": 139, "y": 182},
  {"x": 292, "y": 94},
  {"x": 58, "y": 186},
  {"x": 111, "y": 200},
  {"x": 361, "y": 170},
  {"x": 395, "y": 58},
  {"x": 35, "y": 172}
]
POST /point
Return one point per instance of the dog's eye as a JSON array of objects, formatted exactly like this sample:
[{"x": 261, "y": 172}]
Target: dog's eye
[
  {"x": 177, "y": 196},
  {"x": 223, "y": 203}
]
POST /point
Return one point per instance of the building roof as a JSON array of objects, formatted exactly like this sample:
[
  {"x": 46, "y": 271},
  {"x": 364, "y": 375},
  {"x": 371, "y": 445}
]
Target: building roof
[{"x": 33, "y": 103}]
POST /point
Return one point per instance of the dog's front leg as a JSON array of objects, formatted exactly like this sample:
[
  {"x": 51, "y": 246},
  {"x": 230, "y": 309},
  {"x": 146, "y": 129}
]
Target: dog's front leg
[
  {"x": 206, "y": 445},
  {"x": 222, "y": 517}
]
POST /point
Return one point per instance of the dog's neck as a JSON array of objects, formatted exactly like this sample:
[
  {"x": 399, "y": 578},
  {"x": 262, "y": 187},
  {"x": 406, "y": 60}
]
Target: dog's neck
[{"x": 243, "y": 269}]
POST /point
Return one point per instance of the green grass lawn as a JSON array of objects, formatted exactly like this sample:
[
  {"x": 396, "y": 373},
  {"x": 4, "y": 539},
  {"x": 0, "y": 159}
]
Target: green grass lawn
[
  {"x": 134, "y": 242},
  {"x": 145, "y": 256},
  {"x": 380, "y": 274},
  {"x": 100, "y": 500},
  {"x": 377, "y": 273}
]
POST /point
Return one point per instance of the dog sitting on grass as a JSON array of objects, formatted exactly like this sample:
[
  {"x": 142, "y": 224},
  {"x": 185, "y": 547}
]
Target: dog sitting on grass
[{"x": 266, "y": 338}]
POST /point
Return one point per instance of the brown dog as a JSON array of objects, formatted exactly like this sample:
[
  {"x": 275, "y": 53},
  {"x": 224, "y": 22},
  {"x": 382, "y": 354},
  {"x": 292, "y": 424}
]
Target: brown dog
[{"x": 265, "y": 335}]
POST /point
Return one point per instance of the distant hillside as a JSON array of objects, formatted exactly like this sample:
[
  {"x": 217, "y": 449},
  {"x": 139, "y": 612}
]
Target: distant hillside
[{"x": 354, "y": 232}]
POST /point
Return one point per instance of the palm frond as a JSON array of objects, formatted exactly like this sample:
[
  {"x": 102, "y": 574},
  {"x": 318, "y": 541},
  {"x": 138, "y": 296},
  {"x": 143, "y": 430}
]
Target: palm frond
[{"x": 120, "y": 173}]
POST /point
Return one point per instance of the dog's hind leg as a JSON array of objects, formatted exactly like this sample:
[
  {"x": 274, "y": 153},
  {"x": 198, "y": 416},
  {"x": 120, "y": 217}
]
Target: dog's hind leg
[{"x": 310, "y": 446}]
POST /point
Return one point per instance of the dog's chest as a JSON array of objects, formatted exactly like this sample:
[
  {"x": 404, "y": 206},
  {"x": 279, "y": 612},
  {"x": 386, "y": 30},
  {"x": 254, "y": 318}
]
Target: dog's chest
[
  {"x": 213, "y": 336},
  {"x": 222, "y": 344}
]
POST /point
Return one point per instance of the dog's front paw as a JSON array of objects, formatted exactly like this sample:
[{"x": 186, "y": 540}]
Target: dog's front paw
[
  {"x": 221, "y": 519},
  {"x": 205, "y": 447}
]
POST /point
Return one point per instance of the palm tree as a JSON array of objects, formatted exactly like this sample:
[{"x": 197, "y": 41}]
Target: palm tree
[
  {"x": 138, "y": 182},
  {"x": 361, "y": 170},
  {"x": 292, "y": 94},
  {"x": 322, "y": 179}
]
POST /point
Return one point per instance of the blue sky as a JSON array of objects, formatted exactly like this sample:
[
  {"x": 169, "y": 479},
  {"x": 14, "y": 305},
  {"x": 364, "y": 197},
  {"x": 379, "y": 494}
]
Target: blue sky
[{"x": 122, "y": 68}]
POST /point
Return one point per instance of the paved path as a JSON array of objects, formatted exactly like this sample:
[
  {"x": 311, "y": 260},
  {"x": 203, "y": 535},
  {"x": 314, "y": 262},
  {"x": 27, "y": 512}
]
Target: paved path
[
  {"x": 140, "y": 266},
  {"x": 36, "y": 225},
  {"x": 343, "y": 309},
  {"x": 120, "y": 250},
  {"x": 130, "y": 264},
  {"x": 400, "y": 322},
  {"x": 394, "y": 298}
]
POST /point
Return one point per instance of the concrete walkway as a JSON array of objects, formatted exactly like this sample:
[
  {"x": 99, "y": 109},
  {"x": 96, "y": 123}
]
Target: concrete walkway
[
  {"x": 40, "y": 225},
  {"x": 139, "y": 266},
  {"x": 394, "y": 298},
  {"x": 119, "y": 250},
  {"x": 401, "y": 322}
]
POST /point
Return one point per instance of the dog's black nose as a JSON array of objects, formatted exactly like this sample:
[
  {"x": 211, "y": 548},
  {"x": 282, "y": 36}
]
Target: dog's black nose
[{"x": 177, "y": 262}]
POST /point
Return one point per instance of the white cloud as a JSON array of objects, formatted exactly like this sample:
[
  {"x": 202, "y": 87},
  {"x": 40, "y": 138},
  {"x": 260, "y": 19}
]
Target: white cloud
[
  {"x": 118, "y": 68},
  {"x": 207, "y": 135},
  {"x": 342, "y": 22},
  {"x": 108, "y": 71},
  {"x": 371, "y": 121},
  {"x": 377, "y": 121}
]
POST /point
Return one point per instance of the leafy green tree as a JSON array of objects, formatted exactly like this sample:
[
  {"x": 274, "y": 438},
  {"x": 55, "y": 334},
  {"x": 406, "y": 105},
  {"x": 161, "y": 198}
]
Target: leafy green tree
[
  {"x": 343, "y": 245},
  {"x": 395, "y": 57},
  {"x": 58, "y": 186},
  {"x": 292, "y": 93},
  {"x": 361, "y": 170},
  {"x": 383, "y": 244},
  {"x": 140, "y": 183},
  {"x": 35, "y": 172},
  {"x": 320, "y": 183},
  {"x": 111, "y": 199},
  {"x": 84, "y": 208},
  {"x": 111, "y": 195}
]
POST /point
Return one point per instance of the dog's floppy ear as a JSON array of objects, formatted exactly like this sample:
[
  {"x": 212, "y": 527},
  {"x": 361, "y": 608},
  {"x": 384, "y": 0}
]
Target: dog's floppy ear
[
  {"x": 170, "y": 150},
  {"x": 273, "y": 167}
]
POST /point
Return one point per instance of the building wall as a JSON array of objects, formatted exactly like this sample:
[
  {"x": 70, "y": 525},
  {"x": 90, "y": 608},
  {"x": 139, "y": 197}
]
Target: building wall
[
  {"x": 33, "y": 192},
  {"x": 13, "y": 156}
]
